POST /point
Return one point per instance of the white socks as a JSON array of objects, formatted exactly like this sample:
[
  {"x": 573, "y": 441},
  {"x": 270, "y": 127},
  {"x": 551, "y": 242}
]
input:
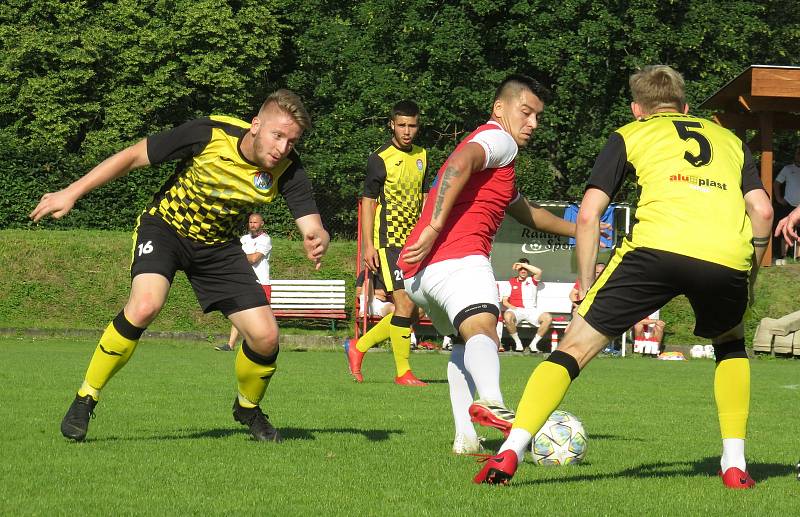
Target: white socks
[
  {"x": 515, "y": 337},
  {"x": 732, "y": 454},
  {"x": 483, "y": 364},
  {"x": 517, "y": 441},
  {"x": 461, "y": 392}
]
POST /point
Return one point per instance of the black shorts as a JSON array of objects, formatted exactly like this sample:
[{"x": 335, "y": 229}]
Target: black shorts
[
  {"x": 638, "y": 282},
  {"x": 220, "y": 274},
  {"x": 391, "y": 275}
]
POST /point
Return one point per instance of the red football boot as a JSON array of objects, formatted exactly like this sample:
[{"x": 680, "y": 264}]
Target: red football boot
[
  {"x": 409, "y": 379},
  {"x": 737, "y": 479},
  {"x": 354, "y": 359},
  {"x": 498, "y": 470},
  {"x": 489, "y": 414}
]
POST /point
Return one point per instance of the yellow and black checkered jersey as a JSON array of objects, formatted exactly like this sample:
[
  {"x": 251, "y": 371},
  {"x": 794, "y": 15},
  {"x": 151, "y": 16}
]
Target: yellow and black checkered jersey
[
  {"x": 396, "y": 179},
  {"x": 692, "y": 175},
  {"x": 214, "y": 186}
]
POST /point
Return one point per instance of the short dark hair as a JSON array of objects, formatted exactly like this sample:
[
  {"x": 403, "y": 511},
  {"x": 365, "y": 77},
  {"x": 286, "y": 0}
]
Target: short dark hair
[
  {"x": 513, "y": 83},
  {"x": 524, "y": 260},
  {"x": 405, "y": 108}
]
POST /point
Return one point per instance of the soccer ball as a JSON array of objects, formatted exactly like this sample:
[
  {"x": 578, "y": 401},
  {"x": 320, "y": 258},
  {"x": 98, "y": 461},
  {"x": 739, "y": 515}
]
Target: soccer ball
[{"x": 560, "y": 441}]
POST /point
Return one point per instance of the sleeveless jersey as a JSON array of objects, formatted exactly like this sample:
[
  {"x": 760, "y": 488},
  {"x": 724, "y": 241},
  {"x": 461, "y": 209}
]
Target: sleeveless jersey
[{"x": 476, "y": 214}]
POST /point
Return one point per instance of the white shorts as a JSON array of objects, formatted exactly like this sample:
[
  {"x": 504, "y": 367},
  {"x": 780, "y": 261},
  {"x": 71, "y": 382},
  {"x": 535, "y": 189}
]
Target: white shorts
[
  {"x": 444, "y": 289},
  {"x": 525, "y": 314},
  {"x": 376, "y": 307}
]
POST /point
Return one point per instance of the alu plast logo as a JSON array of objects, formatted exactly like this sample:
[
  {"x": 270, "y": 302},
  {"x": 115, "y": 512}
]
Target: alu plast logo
[
  {"x": 262, "y": 180},
  {"x": 698, "y": 183}
]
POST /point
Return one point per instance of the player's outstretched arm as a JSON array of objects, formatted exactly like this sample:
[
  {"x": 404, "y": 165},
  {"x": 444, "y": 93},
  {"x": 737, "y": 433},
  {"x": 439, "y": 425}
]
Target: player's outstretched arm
[
  {"x": 460, "y": 167},
  {"x": 58, "y": 204},
  {"x": 536, "y": 217},
  {"x": 315, "y": 237},
  {"x": 587, "y": 235}
]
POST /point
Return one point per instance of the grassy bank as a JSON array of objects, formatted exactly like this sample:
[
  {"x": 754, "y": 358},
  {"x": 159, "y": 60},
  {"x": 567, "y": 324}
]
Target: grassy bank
[{"x": 79, "y": 280}]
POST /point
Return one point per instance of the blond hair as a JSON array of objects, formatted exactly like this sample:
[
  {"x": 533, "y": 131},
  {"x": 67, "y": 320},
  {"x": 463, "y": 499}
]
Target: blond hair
[
  {"x": 290, "y": 103},
  {"x": 658, "y": 87}
]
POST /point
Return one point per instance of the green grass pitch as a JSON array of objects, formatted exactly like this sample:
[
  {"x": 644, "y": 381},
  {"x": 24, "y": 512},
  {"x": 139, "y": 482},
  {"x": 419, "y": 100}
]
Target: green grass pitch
[{"x": 164, "y": 441}]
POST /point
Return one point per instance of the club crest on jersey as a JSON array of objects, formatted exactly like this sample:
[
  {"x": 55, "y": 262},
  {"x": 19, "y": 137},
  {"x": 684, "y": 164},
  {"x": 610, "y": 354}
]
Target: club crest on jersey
[
  {"x": 419, "y": 164},
  {"x": 262, "y": 180}
]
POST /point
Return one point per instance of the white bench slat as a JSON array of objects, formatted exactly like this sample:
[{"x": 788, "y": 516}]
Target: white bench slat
[
  {"x": 306, "y": 282},
  {"x": 308, "y": 295},
  {"x": 307, "y": 289},
  {"x": 306, "y": 301},
  {"x": 302, "y": 294},
  {"x": 305, "y": 306}
]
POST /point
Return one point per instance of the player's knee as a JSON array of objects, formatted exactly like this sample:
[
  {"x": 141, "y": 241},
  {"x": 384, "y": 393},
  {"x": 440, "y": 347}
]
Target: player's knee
[
  {"x": 259, "y": 356},
  {"x": 142, "y": 312},
  {"x": 732, "y": 349},
  {"x": 545, "y": 319},
  {"x": 508, "y": 317},
  {"x": 264, "y": 344},
  {"x": 404, "y": 307}
]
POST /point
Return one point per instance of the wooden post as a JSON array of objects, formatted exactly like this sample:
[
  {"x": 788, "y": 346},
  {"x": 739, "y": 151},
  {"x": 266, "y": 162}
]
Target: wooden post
[{"x": 765, "y": 119}]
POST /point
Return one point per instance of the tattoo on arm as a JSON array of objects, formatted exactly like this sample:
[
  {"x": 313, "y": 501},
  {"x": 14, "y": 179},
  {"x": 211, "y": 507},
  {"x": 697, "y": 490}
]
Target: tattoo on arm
[{"x": 449, "y": 173}]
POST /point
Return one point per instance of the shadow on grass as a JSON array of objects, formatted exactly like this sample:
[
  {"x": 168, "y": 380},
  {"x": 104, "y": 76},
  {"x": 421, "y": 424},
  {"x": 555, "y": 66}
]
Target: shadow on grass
[
  {"x": 288, "y": 433},
  {"x": 494, "y": 444},
  {"x": 706, "y": 467}
]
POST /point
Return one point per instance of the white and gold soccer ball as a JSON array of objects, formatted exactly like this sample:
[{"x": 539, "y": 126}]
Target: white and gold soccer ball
[{"x": 560, "y": 441}]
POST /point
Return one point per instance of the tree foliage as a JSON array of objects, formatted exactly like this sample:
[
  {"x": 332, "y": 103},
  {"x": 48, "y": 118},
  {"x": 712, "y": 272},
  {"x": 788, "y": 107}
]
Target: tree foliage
[{"x": 80, "y": 80}]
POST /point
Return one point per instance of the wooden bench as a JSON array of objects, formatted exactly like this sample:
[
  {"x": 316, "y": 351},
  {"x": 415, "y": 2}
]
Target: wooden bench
[
  {"x": 553, "y": 297},
  {"x": 304, "y": 299}
]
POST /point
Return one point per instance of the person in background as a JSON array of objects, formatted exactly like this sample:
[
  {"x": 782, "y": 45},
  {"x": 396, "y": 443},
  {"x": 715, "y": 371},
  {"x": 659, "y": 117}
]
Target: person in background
[
  {"x": 257, "y": 245},
  {"x": 394, "y": 192},
  {"x": 648, "y": 335},
  {"x": 520, "y": 304},
  {"x": 786, "y": 194}
]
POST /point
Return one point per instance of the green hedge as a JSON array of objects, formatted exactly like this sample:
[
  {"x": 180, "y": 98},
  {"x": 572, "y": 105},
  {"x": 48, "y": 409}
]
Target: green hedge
[{"x": 81, "y": 79}]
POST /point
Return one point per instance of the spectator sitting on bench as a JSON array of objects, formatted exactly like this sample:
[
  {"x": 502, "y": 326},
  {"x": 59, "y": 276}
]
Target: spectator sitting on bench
[
  {"x": 380, "y": 302},
  {"x": 648, "y": 334},
  {"x": 520, "y": 304}
]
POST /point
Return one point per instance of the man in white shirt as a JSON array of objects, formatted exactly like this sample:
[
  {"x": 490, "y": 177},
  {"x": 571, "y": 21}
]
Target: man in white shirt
[
  {"x": 257, "y": 245},
  {"x": 786, "y": 193}
]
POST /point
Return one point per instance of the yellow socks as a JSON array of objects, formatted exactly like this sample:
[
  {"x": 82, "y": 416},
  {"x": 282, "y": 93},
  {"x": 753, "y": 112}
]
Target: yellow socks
[
  {"x": 112, "y": 353},
  {"x": 545, "y": 390},
  {"x": 400, "y": 333},
  {"x": 732, "y": 393},
  {"x": 253, "y": 373},
  {"x": 380, "y": 332}
]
